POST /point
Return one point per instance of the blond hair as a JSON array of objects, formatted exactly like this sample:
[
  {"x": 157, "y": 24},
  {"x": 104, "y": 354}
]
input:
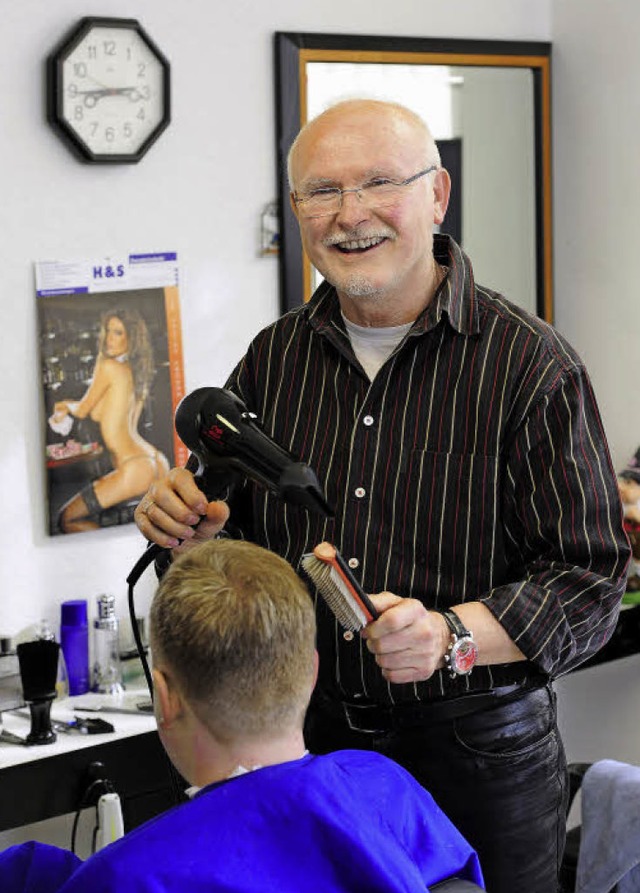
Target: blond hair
[{"x": 236, "y": 626}]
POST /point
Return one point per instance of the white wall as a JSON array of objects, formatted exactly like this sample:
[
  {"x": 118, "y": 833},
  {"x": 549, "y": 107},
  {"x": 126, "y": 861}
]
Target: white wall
[
  {"x": 596, "y": 198},
  {"x": 596, "y": 129}
]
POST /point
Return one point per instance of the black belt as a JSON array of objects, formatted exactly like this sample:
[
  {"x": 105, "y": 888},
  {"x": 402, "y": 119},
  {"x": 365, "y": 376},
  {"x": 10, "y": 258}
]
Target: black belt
[{"x": 368, "y": 717}]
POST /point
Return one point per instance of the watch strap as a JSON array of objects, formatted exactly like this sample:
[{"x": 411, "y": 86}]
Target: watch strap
[
  {"x": 462, "y": 652},
  {"x": 454, "y": 623}
]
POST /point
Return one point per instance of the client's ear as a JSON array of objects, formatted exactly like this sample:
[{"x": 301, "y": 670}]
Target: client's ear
[{"x": 167, "y": 700}]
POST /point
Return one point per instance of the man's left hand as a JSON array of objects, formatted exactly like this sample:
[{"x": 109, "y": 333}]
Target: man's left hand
[{"x": 408, "y": 641}]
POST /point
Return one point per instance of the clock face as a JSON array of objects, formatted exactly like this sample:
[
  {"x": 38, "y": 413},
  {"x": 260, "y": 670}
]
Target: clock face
[{"x": 109, "y": 90}]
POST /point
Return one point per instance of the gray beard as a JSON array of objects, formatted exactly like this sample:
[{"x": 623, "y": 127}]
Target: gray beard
[{"x": 358, "y": 287}]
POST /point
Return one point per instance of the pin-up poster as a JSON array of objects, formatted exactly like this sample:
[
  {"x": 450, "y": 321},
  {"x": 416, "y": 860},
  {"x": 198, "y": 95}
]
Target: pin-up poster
[{"x": 112, "y": 376}]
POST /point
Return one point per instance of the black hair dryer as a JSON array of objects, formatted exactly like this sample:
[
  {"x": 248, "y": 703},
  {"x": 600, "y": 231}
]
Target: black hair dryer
[{"x": 225, "y": 437}]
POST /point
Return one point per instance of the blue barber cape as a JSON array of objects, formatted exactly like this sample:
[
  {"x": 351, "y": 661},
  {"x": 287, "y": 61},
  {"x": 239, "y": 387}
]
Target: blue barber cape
[
  {"x": 35, "y": 868},
  {"x": 347, "y": 821}
]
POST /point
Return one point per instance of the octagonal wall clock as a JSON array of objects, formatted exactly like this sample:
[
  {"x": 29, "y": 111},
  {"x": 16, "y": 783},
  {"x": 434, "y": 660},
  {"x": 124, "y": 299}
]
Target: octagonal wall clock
[{"x": 108, "y": 90}]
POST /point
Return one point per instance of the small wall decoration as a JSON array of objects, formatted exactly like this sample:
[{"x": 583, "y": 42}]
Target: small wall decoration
[
  {"x": 112, "y": 376},
  {"x": 270, "y": 229}
]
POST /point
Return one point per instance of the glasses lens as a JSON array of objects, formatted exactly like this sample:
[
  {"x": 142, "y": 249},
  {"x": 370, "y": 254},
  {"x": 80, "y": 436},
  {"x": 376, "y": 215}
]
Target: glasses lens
[
  {"x": 321, "y": 204},
  {"x": 377, "y": 195},
  {"x": 372, "y": 195}
]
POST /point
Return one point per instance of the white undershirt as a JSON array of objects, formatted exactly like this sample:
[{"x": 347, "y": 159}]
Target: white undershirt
[{"x": 373, "y": 346}]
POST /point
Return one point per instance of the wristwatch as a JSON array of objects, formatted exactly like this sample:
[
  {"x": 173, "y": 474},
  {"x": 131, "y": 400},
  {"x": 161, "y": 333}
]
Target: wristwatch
[{"x": 462, "y": 653}]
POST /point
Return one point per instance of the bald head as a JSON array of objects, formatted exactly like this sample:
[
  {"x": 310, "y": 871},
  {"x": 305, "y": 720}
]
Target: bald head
[{"x": 349, "y": 116}]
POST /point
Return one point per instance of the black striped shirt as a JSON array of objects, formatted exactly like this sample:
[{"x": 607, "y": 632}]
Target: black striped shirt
[{"x": 473, "y": 467}]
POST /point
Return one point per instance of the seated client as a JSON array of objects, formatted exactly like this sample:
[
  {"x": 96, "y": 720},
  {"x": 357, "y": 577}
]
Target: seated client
[{"x": 232, "y": 633}]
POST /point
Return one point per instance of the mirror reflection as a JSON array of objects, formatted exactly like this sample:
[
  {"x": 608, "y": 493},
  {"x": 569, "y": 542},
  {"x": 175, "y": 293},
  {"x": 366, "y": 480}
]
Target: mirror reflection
[
  {"x": 483, "y": 119},
  {"x": 489, "y": 113}
]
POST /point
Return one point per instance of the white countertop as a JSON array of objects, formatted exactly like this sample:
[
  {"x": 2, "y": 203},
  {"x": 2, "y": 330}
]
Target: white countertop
[{"x": 125, "y": 725}]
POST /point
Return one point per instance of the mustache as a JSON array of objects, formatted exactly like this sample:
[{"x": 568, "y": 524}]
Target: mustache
[{"x": 358, "y": 236}]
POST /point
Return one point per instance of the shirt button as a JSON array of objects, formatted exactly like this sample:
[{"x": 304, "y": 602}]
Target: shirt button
[
  {"x": 360, "y": 492},
  {"x": 368, "y": 420},
  {"x": 353, "y": 563}
]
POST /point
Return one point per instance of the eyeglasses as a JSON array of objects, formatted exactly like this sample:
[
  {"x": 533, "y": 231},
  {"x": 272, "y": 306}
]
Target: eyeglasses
[{"x": 376, "y": 193}]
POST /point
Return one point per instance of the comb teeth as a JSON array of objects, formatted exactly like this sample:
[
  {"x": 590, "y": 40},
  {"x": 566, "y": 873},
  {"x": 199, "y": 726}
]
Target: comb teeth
[{"x": 346, "y": 609}]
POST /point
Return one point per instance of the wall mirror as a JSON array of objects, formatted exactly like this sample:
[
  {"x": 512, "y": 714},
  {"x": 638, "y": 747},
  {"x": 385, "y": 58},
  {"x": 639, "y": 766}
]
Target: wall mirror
[{"x": 488, "y": 106}]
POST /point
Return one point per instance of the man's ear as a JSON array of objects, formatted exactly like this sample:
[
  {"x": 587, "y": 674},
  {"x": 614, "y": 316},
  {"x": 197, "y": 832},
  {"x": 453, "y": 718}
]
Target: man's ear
[
  {"x": 292, "y": 202},
  {"x": 167, "y": 699},
  {"x": 441, "y": 193}
]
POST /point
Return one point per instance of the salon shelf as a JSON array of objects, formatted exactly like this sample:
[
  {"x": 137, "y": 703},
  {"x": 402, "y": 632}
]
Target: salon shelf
[{"x": 42, "y": 782}]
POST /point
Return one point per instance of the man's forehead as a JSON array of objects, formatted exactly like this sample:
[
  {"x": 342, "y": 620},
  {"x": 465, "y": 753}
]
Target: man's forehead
[{"x": 364, "y": 145}]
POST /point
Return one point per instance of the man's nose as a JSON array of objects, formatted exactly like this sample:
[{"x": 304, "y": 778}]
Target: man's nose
[{"x": 353, "y": 210}]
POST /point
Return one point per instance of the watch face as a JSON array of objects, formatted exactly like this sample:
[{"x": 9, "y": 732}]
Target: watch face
[
  {"x": 109, "y": 90},
  {"x": 464, "y": 654}
]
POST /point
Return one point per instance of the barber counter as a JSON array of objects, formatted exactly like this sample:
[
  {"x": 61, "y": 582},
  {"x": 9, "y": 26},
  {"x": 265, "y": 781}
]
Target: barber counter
[{"x": 44, "y": 781}]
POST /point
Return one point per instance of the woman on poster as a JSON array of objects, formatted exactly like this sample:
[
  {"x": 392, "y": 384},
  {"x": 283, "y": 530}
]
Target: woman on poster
[{"x": 115, "y": 398}]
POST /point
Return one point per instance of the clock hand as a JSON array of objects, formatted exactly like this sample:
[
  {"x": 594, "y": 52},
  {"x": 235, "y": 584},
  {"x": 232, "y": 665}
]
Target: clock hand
[{"x": 92, "y": 97}]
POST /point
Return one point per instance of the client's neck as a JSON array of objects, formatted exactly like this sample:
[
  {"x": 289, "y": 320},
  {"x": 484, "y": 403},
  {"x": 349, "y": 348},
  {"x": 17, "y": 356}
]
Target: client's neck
[{"x": 215, "y": 761}]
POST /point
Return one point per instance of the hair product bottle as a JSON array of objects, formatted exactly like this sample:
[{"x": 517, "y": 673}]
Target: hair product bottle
[
  {"x": 74, "y": 640},
  {"x": 44, "y": 631},
  {"x": 107, "y": 674}
]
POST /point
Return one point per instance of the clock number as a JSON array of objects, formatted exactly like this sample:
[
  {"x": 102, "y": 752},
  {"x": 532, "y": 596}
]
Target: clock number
[
  {"x": 141, "y": 114},
  {"x": 72, "y": 91},
  {"x": 145, "y": 92},
  {"x": 142, "y": 68},
  {"x": 94, "y": 127},
  {"x": 109, "y": 134},
  {"x": 92, "y": 51},
  {"x": 109, "y": 47},
  {"x": 78, "y": 114},
  {"x": 127, "y": 129},
  {"x": 80, "y": 69}
]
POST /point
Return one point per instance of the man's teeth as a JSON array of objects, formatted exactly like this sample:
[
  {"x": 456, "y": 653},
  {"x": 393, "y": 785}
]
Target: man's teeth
[{"x": 360, "y": 244}]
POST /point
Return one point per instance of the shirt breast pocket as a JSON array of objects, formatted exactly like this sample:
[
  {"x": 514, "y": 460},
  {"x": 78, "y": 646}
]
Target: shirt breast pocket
[{"x": 451, "y": 507}]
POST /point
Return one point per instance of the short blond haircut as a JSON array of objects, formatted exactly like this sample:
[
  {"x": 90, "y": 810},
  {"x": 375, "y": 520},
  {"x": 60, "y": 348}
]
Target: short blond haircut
[{"x": 236, "y": 626}]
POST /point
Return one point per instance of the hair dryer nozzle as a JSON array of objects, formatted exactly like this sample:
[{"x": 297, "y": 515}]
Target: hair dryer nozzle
[{"x": 298, "y": 483}]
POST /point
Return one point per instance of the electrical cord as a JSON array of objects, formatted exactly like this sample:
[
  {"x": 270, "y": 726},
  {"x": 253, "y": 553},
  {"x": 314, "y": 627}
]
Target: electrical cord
[
  {"x": 105, "y": 787},
  {"x": 96, "y": 828},
  {"x": 151, "y": 553}
]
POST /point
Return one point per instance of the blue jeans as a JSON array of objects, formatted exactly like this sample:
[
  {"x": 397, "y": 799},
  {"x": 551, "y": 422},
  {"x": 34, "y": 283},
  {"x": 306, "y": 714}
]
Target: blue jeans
[{"x": 498, "y": 773}]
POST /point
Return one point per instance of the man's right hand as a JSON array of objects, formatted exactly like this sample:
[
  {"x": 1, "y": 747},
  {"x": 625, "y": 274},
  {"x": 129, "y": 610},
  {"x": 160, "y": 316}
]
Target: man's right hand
[{"x": 172, "y": 506}]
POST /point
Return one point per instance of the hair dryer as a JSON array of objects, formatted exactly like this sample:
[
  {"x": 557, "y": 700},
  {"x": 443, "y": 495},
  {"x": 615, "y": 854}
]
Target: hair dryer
[
  {"x": 227, "y": 442},
  {"x": 225, "y": 437}
]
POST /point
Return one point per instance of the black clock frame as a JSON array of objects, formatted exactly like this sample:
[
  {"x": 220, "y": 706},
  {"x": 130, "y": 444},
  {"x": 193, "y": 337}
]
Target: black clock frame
[{"x": 54, "y": 87}]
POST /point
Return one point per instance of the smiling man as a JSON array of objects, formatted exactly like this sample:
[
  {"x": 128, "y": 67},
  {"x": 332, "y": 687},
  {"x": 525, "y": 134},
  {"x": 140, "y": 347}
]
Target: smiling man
[
  {"x": 460, "y": 442},
  {"x": 366, "y": 215}
]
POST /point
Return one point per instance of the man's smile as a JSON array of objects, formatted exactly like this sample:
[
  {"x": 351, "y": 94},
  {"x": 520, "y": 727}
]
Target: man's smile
[{"x": 356, "y": 246}]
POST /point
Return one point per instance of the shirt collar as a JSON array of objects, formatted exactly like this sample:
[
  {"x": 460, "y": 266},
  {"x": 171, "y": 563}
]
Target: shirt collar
[{"x": 455, "y": 300}]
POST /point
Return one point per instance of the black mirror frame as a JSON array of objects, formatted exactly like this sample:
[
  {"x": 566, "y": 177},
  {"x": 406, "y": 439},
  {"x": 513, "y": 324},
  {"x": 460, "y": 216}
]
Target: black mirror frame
[{"x": 294, "y": 50}]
